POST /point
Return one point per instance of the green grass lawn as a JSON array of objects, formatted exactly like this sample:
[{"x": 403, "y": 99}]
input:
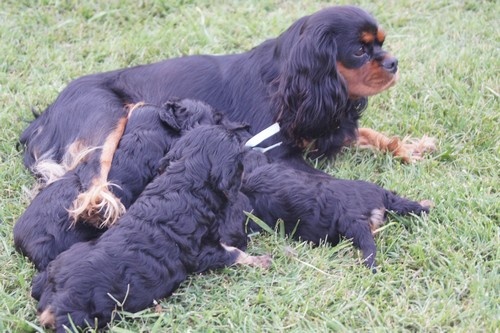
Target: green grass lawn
[{"x": 437, "y": 273}]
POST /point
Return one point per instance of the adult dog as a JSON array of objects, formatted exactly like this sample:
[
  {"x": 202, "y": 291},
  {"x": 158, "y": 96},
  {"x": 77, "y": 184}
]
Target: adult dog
[
  {"x": 314, "y": 79},
  {"x": 88, "y": 197},
  {"x": 188, "y": 219}
]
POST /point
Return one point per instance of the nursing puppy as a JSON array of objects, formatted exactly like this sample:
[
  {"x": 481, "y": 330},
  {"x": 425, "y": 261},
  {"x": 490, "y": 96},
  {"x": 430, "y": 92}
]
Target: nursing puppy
[
  {"x": 182, "y": 223},
  {"x": 321, "y": 208},
  {"x": 75, "y": 207}
]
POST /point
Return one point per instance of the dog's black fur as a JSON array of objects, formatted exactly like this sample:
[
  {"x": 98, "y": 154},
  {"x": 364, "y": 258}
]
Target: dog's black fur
[
  {"x": 175, "y": 228},
  {"x": 45, "y": 229},
  {"x": 149, "y": 134},
  {"x": 321, "y": 209},
  {"x": 313, "y": 79}
]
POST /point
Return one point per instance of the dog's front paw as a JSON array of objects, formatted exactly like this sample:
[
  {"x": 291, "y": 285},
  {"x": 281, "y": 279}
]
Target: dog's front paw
[{"x": 413, "y": 149}]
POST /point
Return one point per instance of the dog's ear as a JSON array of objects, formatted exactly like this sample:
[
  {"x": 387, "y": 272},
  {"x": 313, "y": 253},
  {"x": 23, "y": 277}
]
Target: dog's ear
[
  {"x": 229, "y": 179},
  {"x": 311, "y": 95},
  {"x": 254, "y": 159},
  {"x": 168, "y": 117},
  {"x": 239, "y": 130},
  {"x": 163, "y": 164}
]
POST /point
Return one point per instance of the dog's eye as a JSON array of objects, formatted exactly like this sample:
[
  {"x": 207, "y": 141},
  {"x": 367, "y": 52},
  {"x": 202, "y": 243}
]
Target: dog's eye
[{"x": 360, "y": 52}]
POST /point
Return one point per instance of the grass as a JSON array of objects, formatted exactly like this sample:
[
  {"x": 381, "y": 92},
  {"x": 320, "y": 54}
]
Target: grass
[{"x": 438, "y": 273}]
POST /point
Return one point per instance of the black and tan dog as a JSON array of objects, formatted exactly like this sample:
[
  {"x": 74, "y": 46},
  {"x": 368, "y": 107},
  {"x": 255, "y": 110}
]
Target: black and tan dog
[
  {"x": 314, "y": 79},
  {"x": 79, "y": 207},
  {"x": 184, "y": 222},
  {"x": 321, "y": 208}
]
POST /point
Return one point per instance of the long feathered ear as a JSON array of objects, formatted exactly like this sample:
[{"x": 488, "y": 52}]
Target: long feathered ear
[{"x": 311, "y": 95}]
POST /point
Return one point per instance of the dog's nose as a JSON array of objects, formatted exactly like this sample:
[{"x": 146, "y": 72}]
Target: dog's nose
[{"x": 390, "y": 64}]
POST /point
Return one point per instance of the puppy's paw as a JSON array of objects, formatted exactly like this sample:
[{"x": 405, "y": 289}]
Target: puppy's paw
[
  {"x": 47, "y": 318},
  {"x": 427, "y": 204},
  {"x": 263, "y": 261}
]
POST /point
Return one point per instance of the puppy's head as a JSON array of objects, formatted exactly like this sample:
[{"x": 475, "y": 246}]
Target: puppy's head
[
  {"x": 212, "y": 154},
  {"x": 185, "y": 114}
]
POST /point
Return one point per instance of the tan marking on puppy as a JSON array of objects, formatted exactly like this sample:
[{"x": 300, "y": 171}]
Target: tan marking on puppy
[
  {"x": 427, "y": 203},
  {"x": 244, "y": 258},
  {"x": 377, "y": 219},
  {"x": 47, "y": 318}
]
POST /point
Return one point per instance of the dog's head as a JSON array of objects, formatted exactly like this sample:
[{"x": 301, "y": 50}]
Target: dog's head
[
  {"x": 332, "y": 61},
  {"x": 212, "y": 155},
  {"x": 185, "y": 114}
]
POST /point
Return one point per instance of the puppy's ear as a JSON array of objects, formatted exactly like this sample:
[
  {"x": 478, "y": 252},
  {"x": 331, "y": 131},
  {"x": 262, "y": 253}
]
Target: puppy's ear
[
  {"x": 239, "y": 130},
  {"x": 167, "y": 116},
  {"x": 229, "y": 181},
  {"x": 254, "y": 159},
  {"x": 163, "y": 164},
  {"x": 311, "y": 95}
]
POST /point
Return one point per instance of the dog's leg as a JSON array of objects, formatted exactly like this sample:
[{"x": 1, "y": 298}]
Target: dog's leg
[
  {"x": 244, "y": 258},
  {"x": 409, "y": 150},
  {"x": 362, "y": 238},
  {"x": 232, "y": 231},
  {"x": 98, "y": 205},
  {"x": 47, "y": 318}
]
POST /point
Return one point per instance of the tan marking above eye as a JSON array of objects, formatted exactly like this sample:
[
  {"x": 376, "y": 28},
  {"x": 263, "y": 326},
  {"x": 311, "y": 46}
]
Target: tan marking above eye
[
  {"x": 367, "y": 37},
  {"x": 380, "y": 35}
]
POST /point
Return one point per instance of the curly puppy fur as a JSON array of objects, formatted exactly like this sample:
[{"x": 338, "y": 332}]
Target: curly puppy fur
[
  {"x": 321, "y": 208},
  {"x": 187, "y": 220},
  {"x": 46, "y": 228},
  {"x": 149, "y": 133}
]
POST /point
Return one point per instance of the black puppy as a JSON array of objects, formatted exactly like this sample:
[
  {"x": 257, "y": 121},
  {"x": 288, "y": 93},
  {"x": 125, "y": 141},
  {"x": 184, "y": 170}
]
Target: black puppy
[
  {"x": 319, "y": 208},
  {"x": 46, "y": 228},
  {"x": 180, "y": 224}
]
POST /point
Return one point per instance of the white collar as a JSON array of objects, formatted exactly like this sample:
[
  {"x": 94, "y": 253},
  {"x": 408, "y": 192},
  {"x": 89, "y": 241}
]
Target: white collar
[{"x": 263, "y": 135}]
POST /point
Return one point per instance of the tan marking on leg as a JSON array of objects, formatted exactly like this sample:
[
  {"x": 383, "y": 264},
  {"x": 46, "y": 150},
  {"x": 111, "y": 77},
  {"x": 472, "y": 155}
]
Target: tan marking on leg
[
  {"x": 109, "y": 148},
  {"x": 98, "y": 205},
  {"x": 417, "y": 148},
  {"x": 377, "y": 219},
  {"x": 369, "y": 138},
  {"x": 246, "y": 259},
  {"x": 427, "y": 203},
  {"x": 76, "y": 153},
  {"x": 47, "y": 318},
  {"x": 409, "y": 150},
  {"x": 132, "y": 107}
]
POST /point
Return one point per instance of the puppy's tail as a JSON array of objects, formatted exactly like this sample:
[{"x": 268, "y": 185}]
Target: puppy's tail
[{"x": 405, "y": 206}]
